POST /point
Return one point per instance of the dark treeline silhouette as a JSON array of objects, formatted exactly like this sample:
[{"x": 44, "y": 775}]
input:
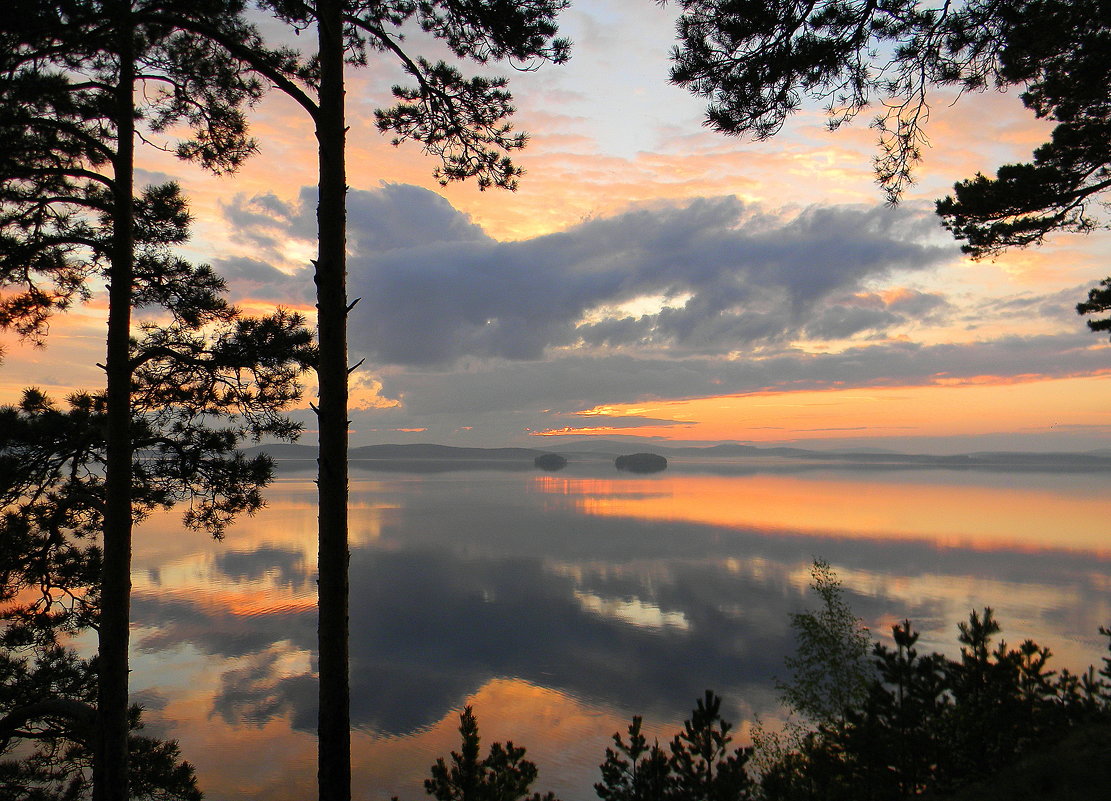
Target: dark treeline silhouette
[
  {"x": 697, "y": 765},
  {"x": 876, "y": 722},
  {"x": 929, "y": 724}
]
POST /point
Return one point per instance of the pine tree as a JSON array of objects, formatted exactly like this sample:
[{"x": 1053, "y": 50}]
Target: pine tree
[
  {"x": 699, "y": 765},
  {"x": 702, "y": 766},
  {"x": 463, "y": 122},
  {"x": 634, "y": 771},
  {"x": 202, "y": 382},
  {"x": 756, "y": 61},
  {"x": 68, "y": 212},
  {"x": 502, "y": 775}
]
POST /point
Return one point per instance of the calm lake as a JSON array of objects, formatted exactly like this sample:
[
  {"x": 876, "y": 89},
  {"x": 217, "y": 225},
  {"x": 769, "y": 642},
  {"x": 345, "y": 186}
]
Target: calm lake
[{"x": 560, "y": 604}]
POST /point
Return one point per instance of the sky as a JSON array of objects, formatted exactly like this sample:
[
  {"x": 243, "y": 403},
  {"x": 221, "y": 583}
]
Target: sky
[{"x": 652, "y": 278}]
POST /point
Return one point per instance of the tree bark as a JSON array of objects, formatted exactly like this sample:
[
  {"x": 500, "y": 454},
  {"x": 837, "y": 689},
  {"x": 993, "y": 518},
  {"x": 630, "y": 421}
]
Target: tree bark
[
  {"x": 110, "y": 754},
  {"x": 334, "y": 765}
]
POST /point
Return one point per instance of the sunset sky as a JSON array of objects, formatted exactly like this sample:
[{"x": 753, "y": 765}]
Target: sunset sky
[{"x": 653, "y": 278}]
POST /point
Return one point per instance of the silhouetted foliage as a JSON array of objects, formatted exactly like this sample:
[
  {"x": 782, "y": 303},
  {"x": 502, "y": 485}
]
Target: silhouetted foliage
[
  {"x": 699, "y": 767},
  {"x": 756, "y": 62},
  {"x": 1060, "y": 53},
  {"x": 634, "y": 771},
  {"x": 70, "y": 75},
  {"x": 59, "y": 140},
  {"x": 200, "y": 383},
  {"x": 702, "y": 766},
  {"x": 47, "y": 729},
  {"x": 502, "y": 775},
  {"x": 930, "y": 724},
  {"x": 1098, "y": 302}
]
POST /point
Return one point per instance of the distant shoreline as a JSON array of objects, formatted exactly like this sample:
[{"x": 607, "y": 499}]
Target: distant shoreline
[{"x": 427, "y": 454}]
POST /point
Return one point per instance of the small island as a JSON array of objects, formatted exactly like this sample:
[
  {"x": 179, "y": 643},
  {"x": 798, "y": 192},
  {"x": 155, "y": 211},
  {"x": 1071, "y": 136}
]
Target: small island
[
  {"x": 641, "y": 463},
  {"x": 550, "y": 461}
]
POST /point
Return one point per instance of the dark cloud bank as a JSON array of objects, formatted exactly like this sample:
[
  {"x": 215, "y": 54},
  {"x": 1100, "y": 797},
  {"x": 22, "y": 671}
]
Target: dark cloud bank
[
  {"x": 435, "y": 288},
  {"x": 454, "y": 322}
]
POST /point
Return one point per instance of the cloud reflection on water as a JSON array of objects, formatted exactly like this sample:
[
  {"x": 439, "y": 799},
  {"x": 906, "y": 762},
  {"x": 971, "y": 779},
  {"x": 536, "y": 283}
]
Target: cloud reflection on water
[{"x": 469, "y": 580}]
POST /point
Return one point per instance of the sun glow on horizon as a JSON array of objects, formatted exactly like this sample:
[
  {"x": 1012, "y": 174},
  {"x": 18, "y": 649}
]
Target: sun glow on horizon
[{"x": 950, "y": 406}]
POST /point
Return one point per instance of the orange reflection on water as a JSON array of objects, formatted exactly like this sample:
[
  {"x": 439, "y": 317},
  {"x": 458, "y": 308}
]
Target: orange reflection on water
[
  {"x": 288, "y": 520},
  {"x": 275, "y": 763},
  {"x": 950, "y": 515},
  {"x": 244, "y": 602}
]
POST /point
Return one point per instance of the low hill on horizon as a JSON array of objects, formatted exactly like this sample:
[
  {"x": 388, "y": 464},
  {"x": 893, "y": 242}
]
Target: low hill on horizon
[
  {"x": 281, "y": 451},
  {"x": 590, "y": 450}
]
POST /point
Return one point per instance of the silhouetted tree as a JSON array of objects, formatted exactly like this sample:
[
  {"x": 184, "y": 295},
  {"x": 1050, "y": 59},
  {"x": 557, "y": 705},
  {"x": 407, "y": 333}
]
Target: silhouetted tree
[
  {"x": 757, "y": 61},
  {"x": 904, "y": 705},
  {"x": 932, "y": 725},
  {"x": 1098, "y": 302},
  {"x": 699, "y": 767},
  {"x": 463, "y": 122},
  {"x": 702, "y": 766},
  {"x": 48, "y": 701},
  {"x": 1060, "y": 53},
  {"x": 502, "y": 775},
  {"x": 634, "y": 771},
  {"x": 201, "y": 383},
  {"x": 69, "y": 73}
]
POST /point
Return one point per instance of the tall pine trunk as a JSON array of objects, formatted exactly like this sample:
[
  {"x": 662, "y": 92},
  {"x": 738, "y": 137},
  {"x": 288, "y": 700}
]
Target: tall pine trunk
[
  {"x": 110, "y": 759},
  {"x": 334, "y": 765}
]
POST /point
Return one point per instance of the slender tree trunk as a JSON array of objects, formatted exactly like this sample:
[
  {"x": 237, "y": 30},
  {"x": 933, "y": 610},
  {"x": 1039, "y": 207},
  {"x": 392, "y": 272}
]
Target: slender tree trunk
[
  {"x": 334, "y": 766},
  {"x": 110, "y": 762}
]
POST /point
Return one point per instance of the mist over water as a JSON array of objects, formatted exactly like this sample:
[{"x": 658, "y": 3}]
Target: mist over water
[{"x": 560, "y": 604}]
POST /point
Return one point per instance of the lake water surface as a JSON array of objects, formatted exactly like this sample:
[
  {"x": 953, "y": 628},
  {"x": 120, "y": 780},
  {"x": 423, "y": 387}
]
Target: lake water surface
[{"x": 560, "y": 604}]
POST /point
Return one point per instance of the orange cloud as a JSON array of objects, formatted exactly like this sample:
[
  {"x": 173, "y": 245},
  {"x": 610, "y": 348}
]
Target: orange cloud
[{"x": 949, "y": 407}]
